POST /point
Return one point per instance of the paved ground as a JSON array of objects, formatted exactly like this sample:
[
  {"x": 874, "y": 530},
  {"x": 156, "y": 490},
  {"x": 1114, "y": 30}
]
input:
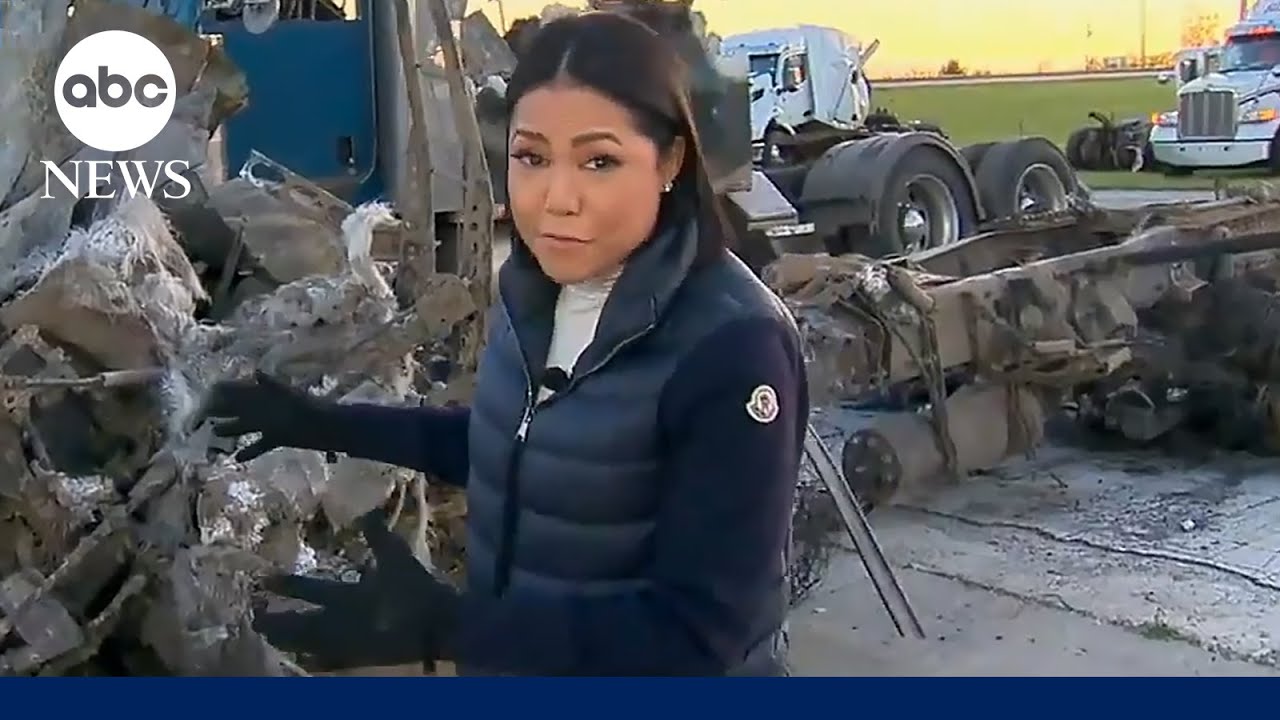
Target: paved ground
[
  {"x": 976, "y": 632},
  {"x": 1074, "y": 562},
  {"x": 1135, "y": 198}
]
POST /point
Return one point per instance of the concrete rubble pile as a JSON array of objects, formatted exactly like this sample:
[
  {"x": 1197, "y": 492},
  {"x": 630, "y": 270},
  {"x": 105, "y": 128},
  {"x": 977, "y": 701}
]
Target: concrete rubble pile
[
  {"x": 129, "y": 538},
  {"x": 1153, "y": 325}
]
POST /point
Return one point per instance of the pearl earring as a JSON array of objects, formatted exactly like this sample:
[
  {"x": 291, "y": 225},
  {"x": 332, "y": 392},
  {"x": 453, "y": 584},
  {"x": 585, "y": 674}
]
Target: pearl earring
[{"x": 666, "y": 188}]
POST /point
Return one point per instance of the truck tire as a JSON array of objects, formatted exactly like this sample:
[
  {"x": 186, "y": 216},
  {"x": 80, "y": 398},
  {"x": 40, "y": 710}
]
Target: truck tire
[
  {"x": 1094, "y": 153},
  {"x": 927, "y": 202},
  {"x": 1086, "y": 149},
  {"x": 973, "y": 154},
  {"x": 1024, "y": 176},
  {"x": 1273, "y": 162},
  {"x": 1149, "y": 162},
  {"x": 857, "y": 191},
  {"x": 1075, "y": 148}
]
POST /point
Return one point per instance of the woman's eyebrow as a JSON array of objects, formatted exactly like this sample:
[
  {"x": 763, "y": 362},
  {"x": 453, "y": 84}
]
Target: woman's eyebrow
[
  {"x": 594, "y": 135},
  {"x": 530, "y": 135},
  {"x": 579, "y": 139}
]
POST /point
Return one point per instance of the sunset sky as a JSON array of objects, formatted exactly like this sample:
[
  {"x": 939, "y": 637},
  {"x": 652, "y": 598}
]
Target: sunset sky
[{"x": 999, "y": 35}]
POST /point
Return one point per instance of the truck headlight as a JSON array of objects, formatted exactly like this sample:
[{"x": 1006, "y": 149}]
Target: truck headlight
[
  {"x": 1258, "y": 115},
  {"x": 1165, "y": 119}
]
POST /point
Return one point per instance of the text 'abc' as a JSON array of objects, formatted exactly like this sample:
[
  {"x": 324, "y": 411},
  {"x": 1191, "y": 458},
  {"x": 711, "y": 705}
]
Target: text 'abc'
[{"x": 115, "y": 92}]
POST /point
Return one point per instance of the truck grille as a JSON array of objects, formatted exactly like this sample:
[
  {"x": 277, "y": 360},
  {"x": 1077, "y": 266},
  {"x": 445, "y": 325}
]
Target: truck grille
[{"x": 1207, "y": 115}]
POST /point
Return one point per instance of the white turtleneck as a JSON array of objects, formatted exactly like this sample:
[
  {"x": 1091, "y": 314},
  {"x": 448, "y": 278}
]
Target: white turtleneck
[{"x": 577, "y": 314}]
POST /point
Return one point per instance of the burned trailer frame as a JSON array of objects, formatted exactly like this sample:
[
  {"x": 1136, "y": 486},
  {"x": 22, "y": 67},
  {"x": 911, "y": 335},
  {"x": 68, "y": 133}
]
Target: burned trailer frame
[{"x": 1122, "y": 317}]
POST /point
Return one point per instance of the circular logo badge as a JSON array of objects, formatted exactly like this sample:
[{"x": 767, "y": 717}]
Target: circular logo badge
[
  {"x": 114, "y": 91},
  {"x": 762, "y": 406}
]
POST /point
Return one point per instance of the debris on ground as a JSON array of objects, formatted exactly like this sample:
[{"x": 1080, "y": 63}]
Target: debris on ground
[
  {"x": 129, "y": 538},
  {"x": 1110, "y": 144}
]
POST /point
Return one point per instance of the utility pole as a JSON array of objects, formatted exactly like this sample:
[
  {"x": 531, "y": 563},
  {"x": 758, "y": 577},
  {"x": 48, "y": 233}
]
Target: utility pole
[
  {"x": 1142, "y": 33},
  {"x": 502, "y": 16}
]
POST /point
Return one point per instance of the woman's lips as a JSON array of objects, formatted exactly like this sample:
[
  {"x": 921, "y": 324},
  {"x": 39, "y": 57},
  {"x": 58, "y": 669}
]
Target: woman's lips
[{"x": 562, "y": 238}]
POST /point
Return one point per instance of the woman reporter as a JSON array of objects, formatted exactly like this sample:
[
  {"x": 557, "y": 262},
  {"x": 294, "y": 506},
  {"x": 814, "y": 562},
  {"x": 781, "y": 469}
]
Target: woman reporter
[{"x": 631, "y": 452}]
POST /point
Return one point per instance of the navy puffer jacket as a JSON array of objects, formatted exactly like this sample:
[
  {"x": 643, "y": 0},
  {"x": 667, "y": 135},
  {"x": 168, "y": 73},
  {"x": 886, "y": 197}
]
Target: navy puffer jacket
[{"x": 638, "y": 521}]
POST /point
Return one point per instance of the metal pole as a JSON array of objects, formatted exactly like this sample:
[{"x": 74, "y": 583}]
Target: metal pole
[
  {"x": 502, "y": 16},
  {"x": 883, "y": 579},
  {"x": 1142, "y": 32}
]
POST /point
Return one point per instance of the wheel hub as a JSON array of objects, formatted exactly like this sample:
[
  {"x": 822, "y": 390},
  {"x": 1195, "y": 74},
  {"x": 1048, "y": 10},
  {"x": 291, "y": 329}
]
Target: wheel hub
[
  {"x": 928, "y": 216},
  {"x": 1040, "y": 190},
  {"x": 915, "y": 227}
]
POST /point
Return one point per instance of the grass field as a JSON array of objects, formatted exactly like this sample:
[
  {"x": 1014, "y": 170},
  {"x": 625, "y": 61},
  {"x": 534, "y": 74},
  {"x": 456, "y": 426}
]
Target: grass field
[{"x": 1052, "y": 109}]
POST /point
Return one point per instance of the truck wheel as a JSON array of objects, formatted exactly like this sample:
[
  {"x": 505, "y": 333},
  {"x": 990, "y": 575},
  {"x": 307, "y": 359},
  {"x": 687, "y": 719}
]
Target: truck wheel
[
  {"x": 1149, "y": 162},
  {"x": 926, "y": 204},
  {"x": 1086, "y": 149},
  {"x": 1025, "y": 176},
  {"x": 1273, "y": 161},
  {"x": 973, "y": 154},
  {"x": 1075, "y": 148}
]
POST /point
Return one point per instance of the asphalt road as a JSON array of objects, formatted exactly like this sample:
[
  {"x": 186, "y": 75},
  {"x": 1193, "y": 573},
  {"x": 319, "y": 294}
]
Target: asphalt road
[
  {"x": 1136, "y": 198},
  {"x": 1074, "y": 562},
  {"x": 995, "y": 79}
]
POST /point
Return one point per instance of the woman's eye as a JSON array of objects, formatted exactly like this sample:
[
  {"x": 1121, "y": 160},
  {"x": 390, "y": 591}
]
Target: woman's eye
[
  {"x": 602, "y": 162},
  {"x": 528, "y": 158}
]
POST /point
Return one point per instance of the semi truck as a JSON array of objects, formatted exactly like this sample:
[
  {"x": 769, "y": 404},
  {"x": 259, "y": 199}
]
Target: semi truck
[
  {"x": 1228, "y": 102},
  {"x": 868, "y": 181}
]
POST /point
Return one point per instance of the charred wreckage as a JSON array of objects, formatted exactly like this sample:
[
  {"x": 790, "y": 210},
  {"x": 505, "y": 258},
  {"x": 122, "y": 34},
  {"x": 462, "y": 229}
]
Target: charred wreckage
[
  {"x": 130, "y": 539},
  {"x": 1145, "y": 324}
]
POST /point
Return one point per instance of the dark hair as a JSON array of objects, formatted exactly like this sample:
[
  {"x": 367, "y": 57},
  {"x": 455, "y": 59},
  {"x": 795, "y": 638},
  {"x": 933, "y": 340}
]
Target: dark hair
[{"x": 625, "y": 60}]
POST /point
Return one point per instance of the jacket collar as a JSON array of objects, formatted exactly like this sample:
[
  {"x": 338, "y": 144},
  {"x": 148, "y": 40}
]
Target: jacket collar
[{"x": 641, "y": 295}]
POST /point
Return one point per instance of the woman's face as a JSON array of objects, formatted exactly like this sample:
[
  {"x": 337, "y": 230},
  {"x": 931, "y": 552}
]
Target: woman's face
[{"x": 583, "y": 182}]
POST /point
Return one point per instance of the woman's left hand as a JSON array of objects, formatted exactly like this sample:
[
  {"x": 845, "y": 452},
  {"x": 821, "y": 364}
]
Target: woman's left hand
[{"x": 396, "y": 614}]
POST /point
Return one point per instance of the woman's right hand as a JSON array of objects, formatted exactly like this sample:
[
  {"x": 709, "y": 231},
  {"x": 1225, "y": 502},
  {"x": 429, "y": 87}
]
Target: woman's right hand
[{"x": 284, "y": 415}]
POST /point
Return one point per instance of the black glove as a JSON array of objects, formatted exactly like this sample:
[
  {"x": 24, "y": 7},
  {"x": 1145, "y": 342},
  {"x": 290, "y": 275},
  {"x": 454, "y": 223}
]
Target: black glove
[
  {"x": 398, "y": 613},
  {"x": 286, "y": 416}
]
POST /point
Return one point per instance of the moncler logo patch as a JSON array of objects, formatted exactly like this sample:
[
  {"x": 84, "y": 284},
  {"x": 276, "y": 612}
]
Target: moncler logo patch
[{"x": 762, "y": 406}]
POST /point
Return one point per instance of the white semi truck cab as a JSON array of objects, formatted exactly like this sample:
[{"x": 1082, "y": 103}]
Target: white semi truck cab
[
  {"x": 802, "y": 74},
  {"x": 1229, "y": 115}
]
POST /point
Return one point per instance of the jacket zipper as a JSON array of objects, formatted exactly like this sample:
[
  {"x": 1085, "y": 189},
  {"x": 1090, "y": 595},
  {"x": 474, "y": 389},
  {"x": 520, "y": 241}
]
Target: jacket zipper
[{"x": 511, "y": 498}]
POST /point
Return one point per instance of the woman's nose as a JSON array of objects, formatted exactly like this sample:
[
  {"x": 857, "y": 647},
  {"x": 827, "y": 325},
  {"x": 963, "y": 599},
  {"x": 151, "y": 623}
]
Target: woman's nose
[{"x": 563, "y": 196}]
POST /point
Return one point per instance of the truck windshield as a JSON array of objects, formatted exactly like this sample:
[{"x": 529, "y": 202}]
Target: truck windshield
[{"x": 1251, "y": 52}]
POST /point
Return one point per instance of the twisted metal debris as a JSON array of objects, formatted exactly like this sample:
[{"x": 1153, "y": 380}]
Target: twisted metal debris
[
  {"x": 126, "y": 545},
  {"x": 1148, "y": 323}
]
